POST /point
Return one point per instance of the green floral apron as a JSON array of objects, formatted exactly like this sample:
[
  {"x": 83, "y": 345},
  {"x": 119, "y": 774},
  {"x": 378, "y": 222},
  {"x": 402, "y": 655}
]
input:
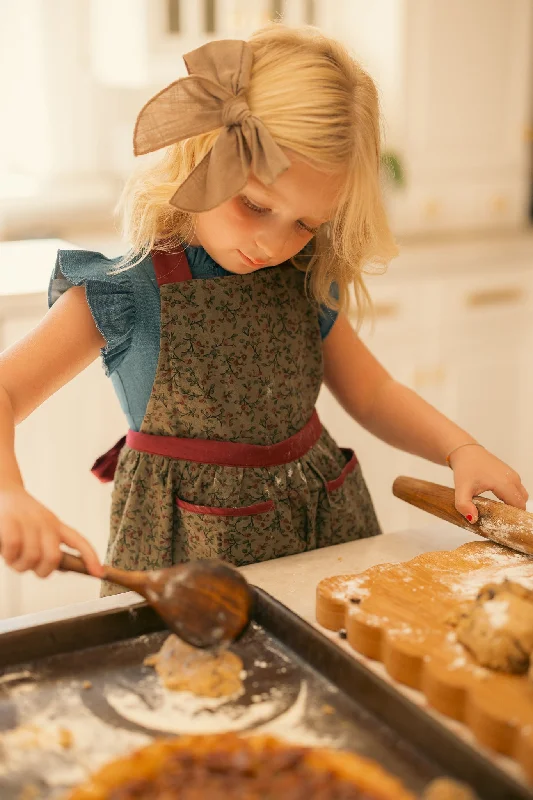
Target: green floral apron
[{"x": 231, "y": 460}]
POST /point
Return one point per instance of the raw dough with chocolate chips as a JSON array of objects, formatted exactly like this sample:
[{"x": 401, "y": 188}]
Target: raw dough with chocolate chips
[
  {"x": 203, "y": 672},
  {"x": 498, "y": 628}
]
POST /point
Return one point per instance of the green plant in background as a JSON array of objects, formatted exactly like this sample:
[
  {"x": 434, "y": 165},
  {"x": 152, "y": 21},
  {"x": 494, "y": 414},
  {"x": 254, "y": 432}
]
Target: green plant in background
[{"x": 393, "y": 168}]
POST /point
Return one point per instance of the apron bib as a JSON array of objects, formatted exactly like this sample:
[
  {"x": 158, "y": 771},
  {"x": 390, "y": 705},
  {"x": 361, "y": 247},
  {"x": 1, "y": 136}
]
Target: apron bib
[{"x": 231, "y": 460}]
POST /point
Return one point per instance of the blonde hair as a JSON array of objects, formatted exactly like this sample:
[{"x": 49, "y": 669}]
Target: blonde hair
[{"x": 317, "y": 101}]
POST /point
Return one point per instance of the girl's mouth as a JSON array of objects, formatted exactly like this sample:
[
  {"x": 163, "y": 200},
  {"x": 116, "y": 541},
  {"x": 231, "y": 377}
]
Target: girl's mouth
[{"x": 250, "y": 261}]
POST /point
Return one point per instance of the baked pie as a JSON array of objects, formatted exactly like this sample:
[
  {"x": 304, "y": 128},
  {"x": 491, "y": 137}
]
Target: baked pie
[{"x": 224, "y": 766}]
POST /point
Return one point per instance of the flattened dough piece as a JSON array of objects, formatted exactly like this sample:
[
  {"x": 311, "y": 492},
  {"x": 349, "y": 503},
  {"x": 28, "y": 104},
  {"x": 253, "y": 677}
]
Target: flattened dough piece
[
  {"x": 203, "y": 672},
  {"x": 498, "y": 628}
]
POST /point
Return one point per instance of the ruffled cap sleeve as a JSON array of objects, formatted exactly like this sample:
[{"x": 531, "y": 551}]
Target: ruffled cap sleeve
[{"x": 110, "y": 298}]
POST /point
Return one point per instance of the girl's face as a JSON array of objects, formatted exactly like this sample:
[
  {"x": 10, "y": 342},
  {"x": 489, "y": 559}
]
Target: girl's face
[{"x": 266, "y": 225}]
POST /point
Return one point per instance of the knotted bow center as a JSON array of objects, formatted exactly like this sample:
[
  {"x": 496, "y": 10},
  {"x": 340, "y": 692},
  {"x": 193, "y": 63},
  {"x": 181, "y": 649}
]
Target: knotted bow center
[{"x": 235, "y": 110}]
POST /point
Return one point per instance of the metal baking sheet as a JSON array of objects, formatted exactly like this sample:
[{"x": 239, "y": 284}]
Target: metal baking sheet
[{"x": 75, "y": 694}]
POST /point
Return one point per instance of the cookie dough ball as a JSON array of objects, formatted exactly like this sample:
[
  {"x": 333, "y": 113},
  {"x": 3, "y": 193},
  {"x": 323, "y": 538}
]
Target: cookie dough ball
[
  {"x": 498, "y": 628},
  {"x": 205, "y": 673},
  {"x": 523, "y": 590}
]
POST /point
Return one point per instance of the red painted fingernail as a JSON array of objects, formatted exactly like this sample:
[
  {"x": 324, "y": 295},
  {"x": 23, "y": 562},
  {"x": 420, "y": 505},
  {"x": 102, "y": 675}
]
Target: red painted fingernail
[{"x": 469, "y": 517}]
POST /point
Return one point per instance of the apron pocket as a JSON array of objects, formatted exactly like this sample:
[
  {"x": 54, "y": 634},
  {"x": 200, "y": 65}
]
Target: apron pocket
[
  {"x": 239, "y": 535},
  {"x": 351, "y": 463},
  {"x": 346, "y": 511},
  {"x": 215, "y": 511}
]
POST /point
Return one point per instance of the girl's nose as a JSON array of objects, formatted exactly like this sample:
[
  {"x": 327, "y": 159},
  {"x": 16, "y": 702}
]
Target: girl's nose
[
  {"x": 262, "y": 252},
  {"x": 271, "y": 242}
]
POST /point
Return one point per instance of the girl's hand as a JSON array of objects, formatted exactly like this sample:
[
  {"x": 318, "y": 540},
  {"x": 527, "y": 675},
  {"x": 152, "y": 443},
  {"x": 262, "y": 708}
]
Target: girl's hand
[
  {"x": 30, "y": 535},
  {"x": 475, "y": 470}
]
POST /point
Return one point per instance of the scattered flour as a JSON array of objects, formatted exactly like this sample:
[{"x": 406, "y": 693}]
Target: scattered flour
[
  {"x": 497, "y": 565},
  {"x": 34, "y": 749},
  {"x": 507, "y": 531},
  {"x": 457, "y": 663},
  {"x": 360, "y": 585},
  {"x": 181, "y": 712},
  {"x": 351, "y": 588},
  {"x": 497, "y": 611}
]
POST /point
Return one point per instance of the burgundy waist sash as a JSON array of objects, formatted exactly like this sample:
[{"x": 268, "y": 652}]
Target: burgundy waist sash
[{"x": 210, "y": 451}]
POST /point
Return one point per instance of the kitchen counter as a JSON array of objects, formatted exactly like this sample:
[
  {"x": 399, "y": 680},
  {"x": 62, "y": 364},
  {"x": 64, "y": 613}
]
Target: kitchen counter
[{"x": 291, "y": 580}]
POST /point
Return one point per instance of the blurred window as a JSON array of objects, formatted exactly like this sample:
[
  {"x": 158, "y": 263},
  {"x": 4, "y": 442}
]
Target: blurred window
[
  {"x": 174, "y": 16},
  {"x": 210, "y": 16},
  {"x": 310, "y": 12},
  {"x": 276, "y": 9}
]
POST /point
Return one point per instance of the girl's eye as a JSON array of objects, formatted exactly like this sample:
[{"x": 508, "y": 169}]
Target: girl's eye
[
  {"x": 306, "y": 228},
  {"x": 261, "y": 210},
  {"x": 253, "y": 207}
]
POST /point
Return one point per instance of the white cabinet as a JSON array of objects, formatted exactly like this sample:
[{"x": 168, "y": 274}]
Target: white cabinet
[
  {"x": 402, "y": 308},
  {"x": 58, "y": 443},
  {"x": 56, "y": 447},
  {"x": 455, "y": 80},
  {"x": 467, "y": 86},
  {"x": 488, "y": 363},
  {"x": 462, "y": 337},
  {"x": 405, "y": 338}
]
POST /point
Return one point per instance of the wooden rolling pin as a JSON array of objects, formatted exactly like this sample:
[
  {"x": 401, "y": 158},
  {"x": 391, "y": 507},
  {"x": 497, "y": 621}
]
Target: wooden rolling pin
[{"x": 497, "y": 521}]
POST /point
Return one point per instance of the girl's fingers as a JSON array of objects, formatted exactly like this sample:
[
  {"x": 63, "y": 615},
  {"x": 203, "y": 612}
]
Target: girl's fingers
[
  {"x": 511, "y": 481},
  {"x": 464, "y": 504},
  {"x": 50, "y": 554},
  {"x": 511, "y": 494},
  {"x": 11, "y": 543},
  {"x": 510, "y": 490},
  {"x": 30, "y": 554},
  {"x": 75, "y": 540}
]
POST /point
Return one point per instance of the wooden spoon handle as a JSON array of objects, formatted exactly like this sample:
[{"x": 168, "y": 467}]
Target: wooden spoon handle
[
  {"x": 134, "y": 580},
  {"x": 70, "y": 563},
  {"x": 497, "y": 521}
]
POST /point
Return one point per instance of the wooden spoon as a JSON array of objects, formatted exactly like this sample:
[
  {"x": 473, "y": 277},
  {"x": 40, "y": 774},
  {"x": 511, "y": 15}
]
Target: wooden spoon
[
  {"x": 207, "y": 603},
  {"x": 497, "y": 521}
]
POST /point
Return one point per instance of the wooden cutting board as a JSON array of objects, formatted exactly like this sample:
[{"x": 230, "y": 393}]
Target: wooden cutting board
[{"x": 401, "y": 615}]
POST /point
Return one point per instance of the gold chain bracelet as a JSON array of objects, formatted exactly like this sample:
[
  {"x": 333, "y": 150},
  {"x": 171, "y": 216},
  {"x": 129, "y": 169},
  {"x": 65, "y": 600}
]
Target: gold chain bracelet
[{"x": 466, "y": 444}]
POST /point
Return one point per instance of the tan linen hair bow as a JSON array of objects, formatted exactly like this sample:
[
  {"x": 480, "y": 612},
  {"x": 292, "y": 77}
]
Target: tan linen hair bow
[{"x": 212, "y": 96}]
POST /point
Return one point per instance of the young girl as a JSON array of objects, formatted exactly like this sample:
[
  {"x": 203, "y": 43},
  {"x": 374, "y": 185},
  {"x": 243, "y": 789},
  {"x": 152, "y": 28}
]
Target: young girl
[{"x": 219, "y": 326}]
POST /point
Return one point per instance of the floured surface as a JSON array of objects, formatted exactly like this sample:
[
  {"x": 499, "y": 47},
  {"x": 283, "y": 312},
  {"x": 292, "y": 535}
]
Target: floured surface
[
  {"x": 402, "y": 614},
  {"x": 68, "y": 715}
]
